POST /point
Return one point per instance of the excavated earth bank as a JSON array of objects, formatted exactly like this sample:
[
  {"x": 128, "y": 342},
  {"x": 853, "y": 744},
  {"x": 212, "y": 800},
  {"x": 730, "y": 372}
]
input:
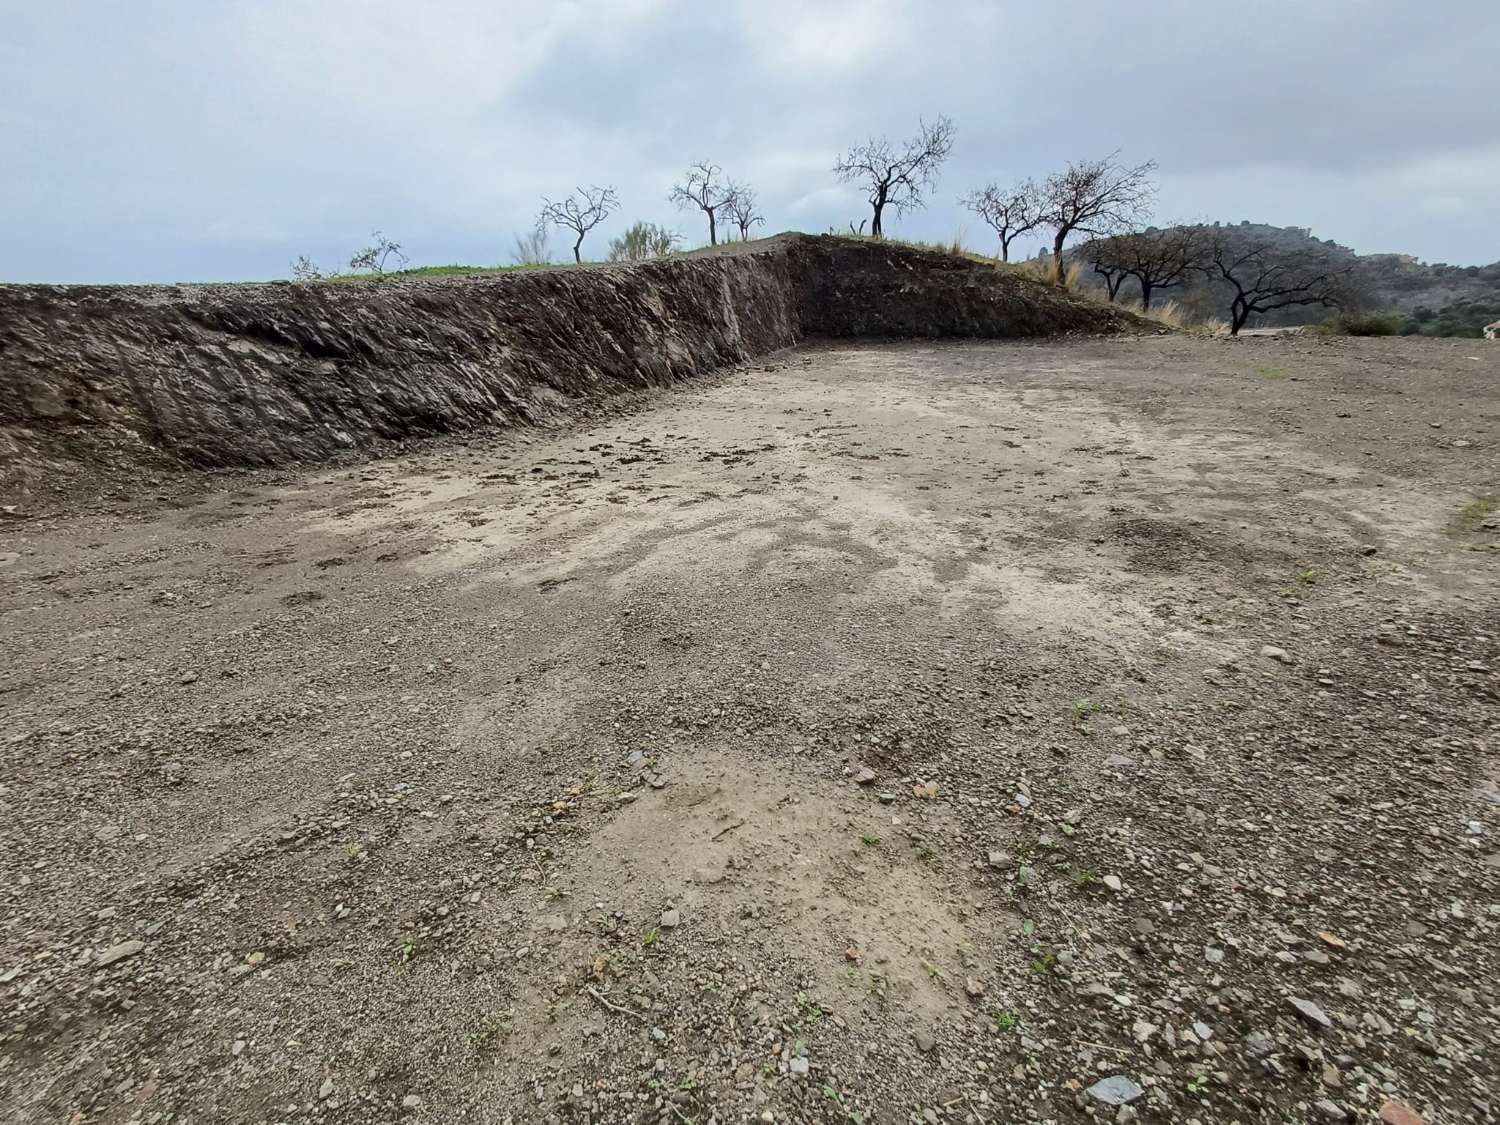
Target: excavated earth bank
[{"x": 242, "y": 375}]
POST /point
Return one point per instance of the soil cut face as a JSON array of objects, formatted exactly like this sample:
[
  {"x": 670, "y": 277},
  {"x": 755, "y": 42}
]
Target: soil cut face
[
  {"x": 117, "y": 381},
  {"x": 960, "y": 732}
]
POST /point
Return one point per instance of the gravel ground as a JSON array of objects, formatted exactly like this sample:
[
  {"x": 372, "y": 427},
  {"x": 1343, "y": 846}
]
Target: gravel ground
[{"x": 1004, "y": 732}]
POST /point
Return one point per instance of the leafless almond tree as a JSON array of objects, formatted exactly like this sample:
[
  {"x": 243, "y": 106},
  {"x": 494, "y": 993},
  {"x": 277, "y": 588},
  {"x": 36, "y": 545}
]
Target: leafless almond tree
[
  {"x": 1097, "y": 197},
  {"x": 1264, "y": 277},
  {"x": 1163, "y": 259},
  {"x": 1012, "y": 211},
  {"x": 1156, "y": 258},
  {"x": 741, "y": 209},
  {"x": 898, "y": 176},
  {"x": 705, "y": 189},
  {"x": 1108, "y": 258},
  {"x": 581, "y": 212},
  {"x": 305, "y": 269},
  {"x": 374, "y": 258}
]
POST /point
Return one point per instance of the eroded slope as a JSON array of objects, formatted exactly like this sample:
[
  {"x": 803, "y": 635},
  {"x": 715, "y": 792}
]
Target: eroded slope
[{"x": 96, "y": 382}]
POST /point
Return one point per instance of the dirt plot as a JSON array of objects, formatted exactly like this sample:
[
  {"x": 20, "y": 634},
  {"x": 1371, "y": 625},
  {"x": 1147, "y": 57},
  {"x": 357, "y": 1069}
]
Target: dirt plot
[{"x": 886, "y": 733}]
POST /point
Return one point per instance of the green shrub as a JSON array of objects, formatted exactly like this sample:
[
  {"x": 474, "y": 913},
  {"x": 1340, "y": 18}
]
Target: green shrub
[
  {"x": 642, "y": 242},
  {"x": 1361, "y": 324},
  {"x": 1461, "y": 318}
]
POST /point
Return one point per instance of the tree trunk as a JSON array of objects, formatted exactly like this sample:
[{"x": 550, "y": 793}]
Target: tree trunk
[
  {"x": 1146, "y": 288},
  {"x": 713, "y": 232},
  {"x": 577, "y": 257},
  {"x": 1238, "y": 314},
  {"x": 875, "y": 229},
  {"x": 1057, "y": 262},
  {"x": 1004, "y": 248}
]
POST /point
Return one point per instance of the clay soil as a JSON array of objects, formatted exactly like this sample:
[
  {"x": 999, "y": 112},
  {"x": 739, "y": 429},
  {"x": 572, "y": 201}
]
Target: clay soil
[{"x": 884, "y": 733}]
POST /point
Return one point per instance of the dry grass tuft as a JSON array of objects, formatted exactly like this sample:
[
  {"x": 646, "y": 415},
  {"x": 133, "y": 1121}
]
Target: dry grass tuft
[
  {"x": 1171, "y": 314},
  {"x": 1040, "y": 269},
  {"x": 954, "y": 246}
]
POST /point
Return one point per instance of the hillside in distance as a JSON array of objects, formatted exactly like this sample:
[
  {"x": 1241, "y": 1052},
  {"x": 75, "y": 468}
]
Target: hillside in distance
[{"x": 1436, "y": 298}]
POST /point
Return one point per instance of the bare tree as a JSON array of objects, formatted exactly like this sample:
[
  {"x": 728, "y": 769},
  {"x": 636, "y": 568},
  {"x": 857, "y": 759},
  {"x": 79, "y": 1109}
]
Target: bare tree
[
  {"x": 580, "y": 212},
  {"x": 1163, "y": 259},
  {"x": 1156, "y": 258},
  {"x": 305, "y": 269},
  {"x": 531, "y": 249},
  {"x": 1263, "y": 277},
  {"x": 1108, "y": 258},
  {"x": 1097, "y": 197},
  {"x": 897, "y": 175},
  {"x": 740, "y": 208},
  {"x": 374, "y": 258},
  {"x": 704, "y": 189},
  {"x": 1012, "y": 212}
]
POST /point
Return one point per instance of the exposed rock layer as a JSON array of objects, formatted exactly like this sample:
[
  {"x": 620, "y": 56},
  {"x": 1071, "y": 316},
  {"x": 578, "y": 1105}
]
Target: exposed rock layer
[{"x": 111, "y": 377}]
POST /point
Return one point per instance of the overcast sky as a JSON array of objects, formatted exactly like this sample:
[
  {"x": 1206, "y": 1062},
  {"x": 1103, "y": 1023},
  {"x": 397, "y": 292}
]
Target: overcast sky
[{"x": 158, "y": 140}]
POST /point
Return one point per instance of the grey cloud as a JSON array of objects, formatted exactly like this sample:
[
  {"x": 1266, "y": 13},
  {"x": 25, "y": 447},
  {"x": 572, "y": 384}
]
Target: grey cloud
[{"x": 178, "y": 140}]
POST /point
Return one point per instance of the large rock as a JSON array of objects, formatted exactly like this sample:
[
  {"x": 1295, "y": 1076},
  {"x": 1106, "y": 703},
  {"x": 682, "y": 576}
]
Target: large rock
[
  {"x": 1115, "y": 1090},
  {"x": 119, "y": 952},
  {"x": 1399, "y": 1113},
  {"x": 1309, "y": 1013}
]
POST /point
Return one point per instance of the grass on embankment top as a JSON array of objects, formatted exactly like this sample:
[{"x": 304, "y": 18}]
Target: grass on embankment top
[
  {"x": 955, "y": 248},
  {"x": 432, "y": 271}
]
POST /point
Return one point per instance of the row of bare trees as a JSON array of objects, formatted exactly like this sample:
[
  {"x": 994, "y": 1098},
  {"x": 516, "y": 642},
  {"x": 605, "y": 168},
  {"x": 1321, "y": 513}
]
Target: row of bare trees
[
  {"x": 1088, "y": 197},
  {"x": 1110, "y": 202},
  {"x": 1156, "y": 259},
  {"x": 703, "y": 188},
  {"x": 1257, "y": 275},
  {"x": 1105, "y": 199}
]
